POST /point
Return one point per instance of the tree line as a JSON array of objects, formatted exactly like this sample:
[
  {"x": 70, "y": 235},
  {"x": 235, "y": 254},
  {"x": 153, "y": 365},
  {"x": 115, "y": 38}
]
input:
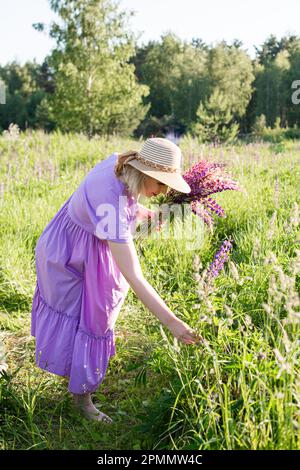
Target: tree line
[{"x": 97, "y": 80}]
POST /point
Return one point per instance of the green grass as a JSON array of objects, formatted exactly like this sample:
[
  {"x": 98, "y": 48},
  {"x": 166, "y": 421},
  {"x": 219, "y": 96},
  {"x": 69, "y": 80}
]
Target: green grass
[{"x": 238, "y": 389}]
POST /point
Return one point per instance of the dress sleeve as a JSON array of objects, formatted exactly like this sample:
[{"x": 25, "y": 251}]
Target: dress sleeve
[
  {"x": 114, "y": 218},
  {"x": 112, "y": 224},
  {"x": 104, "y": 210}
]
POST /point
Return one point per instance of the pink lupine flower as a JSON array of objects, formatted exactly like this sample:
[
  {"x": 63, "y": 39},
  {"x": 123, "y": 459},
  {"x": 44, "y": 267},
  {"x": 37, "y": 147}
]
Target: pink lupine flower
[{"x": 204, "y": 178}]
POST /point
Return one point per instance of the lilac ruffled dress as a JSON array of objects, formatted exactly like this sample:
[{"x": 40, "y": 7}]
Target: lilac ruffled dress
[{"x": 80, "y": 290}]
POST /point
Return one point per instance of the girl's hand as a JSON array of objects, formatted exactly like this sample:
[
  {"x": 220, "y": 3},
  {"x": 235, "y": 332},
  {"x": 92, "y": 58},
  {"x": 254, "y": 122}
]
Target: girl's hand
[
  {"x": 160, "y": 222},
  {"x": 183, "y": 332},
  {"x": 155, "y": 216},
  {"x": 145, "y": 213},
  {"x": 151, "y": 214}
]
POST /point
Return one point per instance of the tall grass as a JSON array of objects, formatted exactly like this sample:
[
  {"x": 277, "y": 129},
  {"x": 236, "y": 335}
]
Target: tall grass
[{"x": 239, "y": 388}]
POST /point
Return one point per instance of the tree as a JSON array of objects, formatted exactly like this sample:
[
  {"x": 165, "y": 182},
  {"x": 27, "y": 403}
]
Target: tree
[
  {"x": 259, "y": 125},
  {"x": 214, "y": 120},
  {"x": 159, "y": 72},
  {"x": 95, "y": 86},
  {"x": 230, "y": 70},
  {"x": 293, "y": 75},
  {"x": 272, "y": 47},
  {"x": 23, "y": 94},
  {"x": 275, "y": 69},
  {"x": 175, "y": 72},
  {"x": 270, "y": 87}
]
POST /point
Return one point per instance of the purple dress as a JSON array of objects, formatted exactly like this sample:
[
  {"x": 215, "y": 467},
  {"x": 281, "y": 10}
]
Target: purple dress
[{"x": 80, "y": 290}]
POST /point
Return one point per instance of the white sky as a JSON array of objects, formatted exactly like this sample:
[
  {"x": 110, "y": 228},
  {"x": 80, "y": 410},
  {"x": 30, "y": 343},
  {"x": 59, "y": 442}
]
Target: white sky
[{"x": 211, "y": 20}]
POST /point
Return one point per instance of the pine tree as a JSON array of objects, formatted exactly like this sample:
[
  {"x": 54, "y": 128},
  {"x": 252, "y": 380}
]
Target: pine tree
[{"x": 215, "y": 120}]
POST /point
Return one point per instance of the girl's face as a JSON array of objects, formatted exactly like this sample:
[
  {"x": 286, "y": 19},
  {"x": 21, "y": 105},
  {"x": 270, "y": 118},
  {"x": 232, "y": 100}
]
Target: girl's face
[{"x": 153, "y": 187}]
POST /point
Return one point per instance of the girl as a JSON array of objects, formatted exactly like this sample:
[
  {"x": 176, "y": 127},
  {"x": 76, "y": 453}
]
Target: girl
[{"x": 86, "y": 261}]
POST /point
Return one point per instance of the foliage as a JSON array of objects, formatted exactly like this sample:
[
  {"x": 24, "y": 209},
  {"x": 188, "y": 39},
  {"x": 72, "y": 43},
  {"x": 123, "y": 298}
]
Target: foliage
[
  {"x": 108, "y": 84},
  {"x": 214, "y": 120},
  {"x": 25, "y": 88},
  {"x": 95, "y": 87},
  {"x": 259, "y": 125}
]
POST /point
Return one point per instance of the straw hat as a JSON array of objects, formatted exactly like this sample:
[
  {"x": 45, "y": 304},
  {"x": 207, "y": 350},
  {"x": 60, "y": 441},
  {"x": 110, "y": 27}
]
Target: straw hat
[{"x": 161, "y": 159}]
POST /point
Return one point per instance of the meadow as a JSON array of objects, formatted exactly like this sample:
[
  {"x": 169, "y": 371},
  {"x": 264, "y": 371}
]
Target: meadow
[{"x": 240, "y": 387}]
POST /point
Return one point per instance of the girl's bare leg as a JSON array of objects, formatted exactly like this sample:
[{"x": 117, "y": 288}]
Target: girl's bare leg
[{"x": 85, "y": 405}]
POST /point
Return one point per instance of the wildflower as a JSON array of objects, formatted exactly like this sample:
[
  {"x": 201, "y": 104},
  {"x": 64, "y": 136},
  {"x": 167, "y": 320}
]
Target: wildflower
[
  {"x": 205, "y": 343},
  {"x": 267, "y": 308},
  {"x": 196, "y": 306},
  {"x": 276, "y": 192},
  {"x": 200, "y": 293},
  {"x": 204, "y": 178},
  {"x": 176, "y": 347},
  {"x": 234, "y": 271},
  {"x": 293, "y": 317},
  {"x": 197, "y": 277},
  {"x": 295, "y": 216},
  {"x": 270, "y": 259},
  {"x": 203, "y": 318},
  {"x": 219, "y": 260},
  {"x": 203, "y": 213},
  {"x": 282, "y": 362},
  {"x": 228, "y": 311},
  {"x": 286, "y": 341},
  {"x": 261, "y": 356},
  {"x": 282, "y": 277},
  {"x": 210, "y": 306},
  {"x": 270, "y": 233},
  {"x": 196, "y": 263},
  {"x": 273, "y": 291},
  {"x": 256, "y": 248}
]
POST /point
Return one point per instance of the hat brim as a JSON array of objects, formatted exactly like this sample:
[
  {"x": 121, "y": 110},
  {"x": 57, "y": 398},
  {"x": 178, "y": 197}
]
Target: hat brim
[{"x": 173, "y": 180}]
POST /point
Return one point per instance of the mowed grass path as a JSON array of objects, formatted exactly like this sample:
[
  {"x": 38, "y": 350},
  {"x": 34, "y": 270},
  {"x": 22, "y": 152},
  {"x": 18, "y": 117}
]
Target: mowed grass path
[{"x": 240, "y": 387}]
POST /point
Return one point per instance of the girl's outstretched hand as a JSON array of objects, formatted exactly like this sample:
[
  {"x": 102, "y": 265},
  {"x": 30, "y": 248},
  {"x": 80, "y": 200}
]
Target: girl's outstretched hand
[{"x": 183, "y": 332}]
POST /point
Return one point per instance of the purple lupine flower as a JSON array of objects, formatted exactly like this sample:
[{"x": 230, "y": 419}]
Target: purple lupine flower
[
  {"x": 202, "y": 212},
  {"x": 204, "y": 179},
  {"x": 211, "y": 204},
  {"x": 220, "y": 258}
]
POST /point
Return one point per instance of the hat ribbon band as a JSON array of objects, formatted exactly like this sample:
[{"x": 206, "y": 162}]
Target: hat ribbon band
[{"x": 159, "y": 166}]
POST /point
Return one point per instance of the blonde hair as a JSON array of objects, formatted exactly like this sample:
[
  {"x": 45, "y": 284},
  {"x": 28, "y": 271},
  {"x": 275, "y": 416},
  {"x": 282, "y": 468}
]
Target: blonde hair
[{"x": 130, "y": 176}]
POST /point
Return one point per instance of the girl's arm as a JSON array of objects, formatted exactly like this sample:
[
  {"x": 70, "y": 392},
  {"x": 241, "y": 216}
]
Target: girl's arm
[{"x": 127, "y": 260}]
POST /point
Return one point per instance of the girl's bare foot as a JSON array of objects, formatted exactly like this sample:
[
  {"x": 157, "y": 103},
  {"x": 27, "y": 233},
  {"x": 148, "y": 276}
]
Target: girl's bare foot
[{"x": 87, "y": 408}]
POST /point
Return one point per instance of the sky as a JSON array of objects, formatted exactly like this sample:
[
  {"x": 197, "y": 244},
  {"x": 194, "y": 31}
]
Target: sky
[{"x": 211, "y": 20}]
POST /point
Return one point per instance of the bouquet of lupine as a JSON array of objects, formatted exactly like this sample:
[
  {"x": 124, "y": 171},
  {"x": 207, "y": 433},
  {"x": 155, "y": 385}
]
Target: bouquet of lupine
[{"x": 204, "y": 178}]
